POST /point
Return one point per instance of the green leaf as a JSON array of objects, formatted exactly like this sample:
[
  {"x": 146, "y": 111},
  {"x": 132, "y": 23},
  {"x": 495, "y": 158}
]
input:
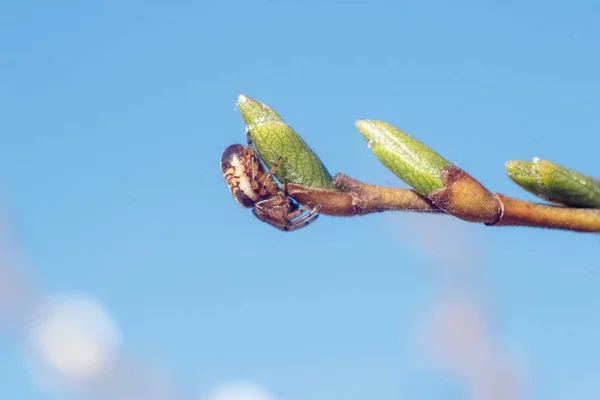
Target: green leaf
[
  {"x": 412, "y": 161},
  {"x": 555, "y": 183},
  {"x": 273, "y": 138}
]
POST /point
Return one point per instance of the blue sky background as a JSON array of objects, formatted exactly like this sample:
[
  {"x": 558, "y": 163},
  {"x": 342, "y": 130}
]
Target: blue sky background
[{"x": 113, "y": 116}]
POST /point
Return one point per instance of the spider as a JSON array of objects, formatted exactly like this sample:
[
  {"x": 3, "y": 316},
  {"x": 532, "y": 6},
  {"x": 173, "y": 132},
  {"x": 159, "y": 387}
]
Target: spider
[{"x": 252, "y": 187}]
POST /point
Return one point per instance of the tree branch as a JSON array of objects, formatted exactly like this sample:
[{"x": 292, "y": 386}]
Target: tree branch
[
  {"x": 359, "y": 198},
  {"x": 440, "y": 187}
]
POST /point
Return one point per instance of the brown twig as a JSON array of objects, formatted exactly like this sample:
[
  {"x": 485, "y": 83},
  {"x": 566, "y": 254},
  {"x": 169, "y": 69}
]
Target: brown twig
[
  {"x": 358, "y": 198},
  {"x": 524, "y": 213},
  {"x": 463, "y": 197}
]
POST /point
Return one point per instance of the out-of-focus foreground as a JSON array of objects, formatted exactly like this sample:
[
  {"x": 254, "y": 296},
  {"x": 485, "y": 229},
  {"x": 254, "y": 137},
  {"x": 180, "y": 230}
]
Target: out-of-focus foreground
[{"x": 70, "y": 343}]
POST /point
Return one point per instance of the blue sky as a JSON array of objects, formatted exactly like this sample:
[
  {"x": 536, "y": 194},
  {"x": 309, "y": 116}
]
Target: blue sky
[{"x": 114, "y": 115}]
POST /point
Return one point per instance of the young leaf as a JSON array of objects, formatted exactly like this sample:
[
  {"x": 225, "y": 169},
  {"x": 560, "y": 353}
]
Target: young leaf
[
  {"x": 555, "y": 183},
  {"x": 274, "y": 138},
  {"x": 412, "y": 161}
]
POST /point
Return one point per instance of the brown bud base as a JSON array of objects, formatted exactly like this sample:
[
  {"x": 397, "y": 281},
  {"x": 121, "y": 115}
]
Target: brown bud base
[{"x": 465, "y": 198}]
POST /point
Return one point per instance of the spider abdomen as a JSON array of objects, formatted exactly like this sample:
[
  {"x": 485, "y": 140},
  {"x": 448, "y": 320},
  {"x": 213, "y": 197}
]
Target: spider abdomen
[{"x": 236, "y": 166}]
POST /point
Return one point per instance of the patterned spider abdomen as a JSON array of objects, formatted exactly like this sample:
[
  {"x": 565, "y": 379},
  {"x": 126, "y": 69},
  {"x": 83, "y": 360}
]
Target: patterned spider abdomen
[{"x": 236, "y": 166}]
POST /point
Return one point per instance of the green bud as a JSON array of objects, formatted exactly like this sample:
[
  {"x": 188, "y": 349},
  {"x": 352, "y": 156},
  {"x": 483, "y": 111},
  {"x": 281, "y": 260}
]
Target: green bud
[
  {"x": 273, "y": 138},
  {"x": 412, "y": 161},
  {"x": 555, "y": 183}
]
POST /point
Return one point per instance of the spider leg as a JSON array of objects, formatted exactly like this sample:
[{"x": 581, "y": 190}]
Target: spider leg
[
  {"x": 290, "y": 209},
  {"x": 299, "y": 223},
  {"x": 269, "y": 176},
  {"x": 271, "y": 211},
  {"x": 293, "y": 204},
  {"x": 271, "y": 202},
  {"x": 253, "y": 159},
  {"x": 307, "y": 216},
  {"x": 271, "y": 222},
  {"x": 276, "y": 212}
]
